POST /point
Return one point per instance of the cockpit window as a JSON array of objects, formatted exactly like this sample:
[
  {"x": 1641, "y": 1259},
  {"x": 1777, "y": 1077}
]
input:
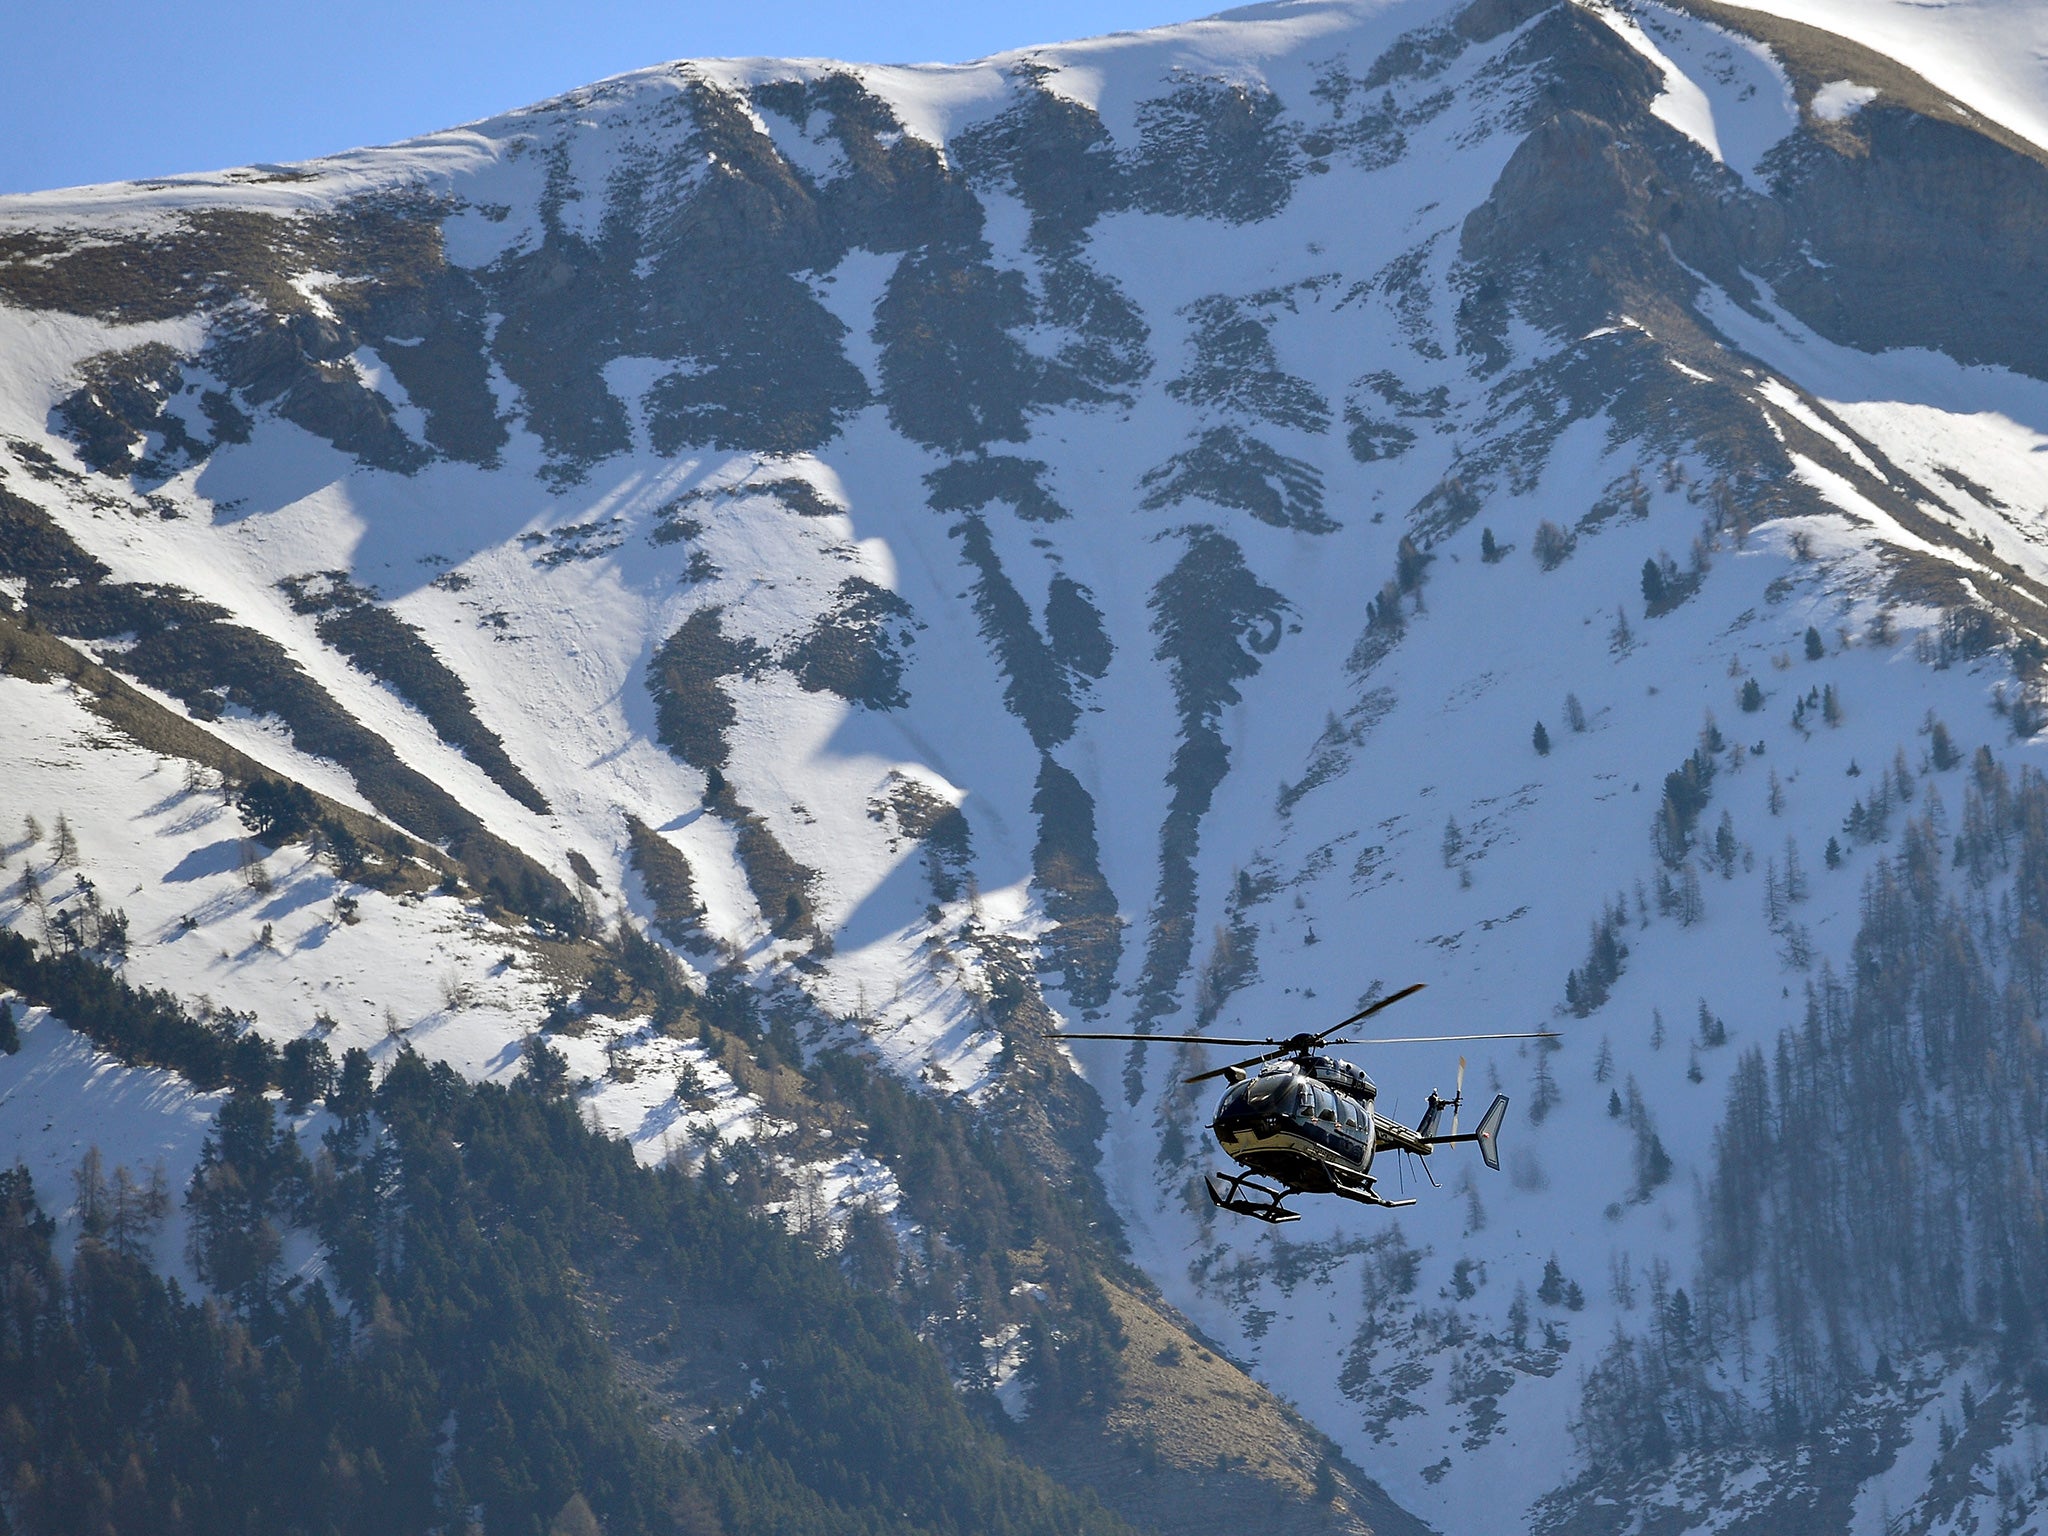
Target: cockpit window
[
  {"x": 1234, "y": 1101},
  {"x": 1326, "y": 1103},
  {"x": 1265, "y": 1092}
]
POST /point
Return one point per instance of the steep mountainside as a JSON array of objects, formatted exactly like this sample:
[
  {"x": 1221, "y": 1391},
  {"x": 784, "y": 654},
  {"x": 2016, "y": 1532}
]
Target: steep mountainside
[{"x": 794, "y": 578}]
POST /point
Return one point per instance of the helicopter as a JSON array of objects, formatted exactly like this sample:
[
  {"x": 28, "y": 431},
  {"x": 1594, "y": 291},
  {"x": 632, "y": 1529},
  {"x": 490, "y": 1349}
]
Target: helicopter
[{"x": 1309, "y": 1122}]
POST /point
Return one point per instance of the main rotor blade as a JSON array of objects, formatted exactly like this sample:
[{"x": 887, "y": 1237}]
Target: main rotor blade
[
  {"x": 1074, "y": 1034},
  {"x": 1533, "y": 1034},
  {"x": 1291, "y": 1042},
  {"x": 1304, "y": 1042},
  {"x": 1288, "y": 1049},
  {"x": 1372, "y": 1008}
]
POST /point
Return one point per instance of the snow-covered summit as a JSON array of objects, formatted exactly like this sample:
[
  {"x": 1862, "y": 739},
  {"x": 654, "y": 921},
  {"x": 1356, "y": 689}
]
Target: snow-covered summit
[{"x": 1102, "y": 527}]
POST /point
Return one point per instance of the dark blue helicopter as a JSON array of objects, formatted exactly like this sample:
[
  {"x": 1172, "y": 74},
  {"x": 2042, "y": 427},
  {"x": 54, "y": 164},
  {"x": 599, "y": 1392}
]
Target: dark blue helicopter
[{"x": 1309, "y": 1122}]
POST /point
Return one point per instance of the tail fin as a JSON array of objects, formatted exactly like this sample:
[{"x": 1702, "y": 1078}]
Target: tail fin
[
  {"x": 1426, "y": 1126},
  {"x": 1489, "y": 1131}
]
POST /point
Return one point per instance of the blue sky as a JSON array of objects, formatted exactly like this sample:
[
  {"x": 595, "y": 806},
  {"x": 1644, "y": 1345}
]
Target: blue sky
[{"x": 107, "y": 90}]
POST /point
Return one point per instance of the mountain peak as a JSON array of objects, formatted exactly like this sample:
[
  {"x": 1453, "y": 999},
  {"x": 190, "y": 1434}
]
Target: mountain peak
[{"x": 762, "y": 566}]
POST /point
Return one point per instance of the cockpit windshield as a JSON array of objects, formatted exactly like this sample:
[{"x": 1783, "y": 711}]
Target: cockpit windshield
[{"x": 1266, "y": 1092}]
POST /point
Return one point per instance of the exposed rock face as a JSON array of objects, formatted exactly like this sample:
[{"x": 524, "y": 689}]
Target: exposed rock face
[{"x": 1090, "y": 535}]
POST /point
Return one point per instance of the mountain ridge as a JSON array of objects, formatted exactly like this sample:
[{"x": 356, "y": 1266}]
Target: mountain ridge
[{"x": 1003, "y": 541}]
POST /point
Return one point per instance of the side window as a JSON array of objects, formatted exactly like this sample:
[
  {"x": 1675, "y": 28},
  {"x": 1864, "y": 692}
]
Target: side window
[
  {"x": 1326, "y": 1103},
  {"x": 1347, "y": 1114}
]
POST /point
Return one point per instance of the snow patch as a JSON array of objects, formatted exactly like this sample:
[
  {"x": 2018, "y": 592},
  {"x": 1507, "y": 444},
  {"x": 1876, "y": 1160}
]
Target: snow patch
[
  {"x": 1725, "y": 92},
  {"x": 379, "y": 379},
  {"x": 1840, "y": 100}
]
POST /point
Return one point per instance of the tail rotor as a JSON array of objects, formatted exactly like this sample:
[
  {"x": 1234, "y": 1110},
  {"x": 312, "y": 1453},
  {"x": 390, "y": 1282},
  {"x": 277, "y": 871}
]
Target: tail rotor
[
  {"x": 1488, "y": 1134},
  {"x": 1426, "y": 1129}
]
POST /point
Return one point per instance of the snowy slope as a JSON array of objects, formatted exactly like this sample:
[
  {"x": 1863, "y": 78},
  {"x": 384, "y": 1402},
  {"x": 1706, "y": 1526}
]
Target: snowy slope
[
  {"x": 1990, "y": 55},
  {"x": 1315, "y": 288}
]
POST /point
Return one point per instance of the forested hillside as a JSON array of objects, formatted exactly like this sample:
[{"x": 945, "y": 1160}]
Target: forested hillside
[{"x": 578, "y": 694}]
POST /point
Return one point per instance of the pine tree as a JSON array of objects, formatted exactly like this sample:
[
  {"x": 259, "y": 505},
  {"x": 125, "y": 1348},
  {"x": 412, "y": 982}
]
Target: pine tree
[
  {"x": 1574, "y": 712},
  {"x": 305, "y": 1072},
  {"x": 1653, "y": 585},
  {"x": 1385, "y": 612},
  {"x": 1489, "y": 550},
  {"x": 1454, "y": 842},
  {"x": 1621, "y": 638},
  {"x": 1543, "y": 1095},
  {"x": 1941, "y": 748},
  {"x": 1815, "y": 648},
  {"x": 1552, "y": 545},
  {"x": 1540, "y": 739},
  {"x": 1692, "y": 906},
  {"x": 1713, "y": 1029},
  {"x": 89, "y": 1182},
  {"x": 1518, "y": 1317},
  {"x": 10, "y": 1032},
  {"x": 1797, "y": 887},
  {"x": 1620, "y": 1281},
  {"x": 1475, "y": 1213},
  {"x": 136, "y": 1209},
  {"x": 1652, "y": 1163},
  {"x": 64, "y": 845},
  {"x": 1776, "y": 797},
  {"x": 254, "y": 874},
  {"x": 1603, "y": 1062},
  {"x": 1832, "y": 854},
  {"x": 1410, "y": 562},
  {"x": 1830, "y": 706}
]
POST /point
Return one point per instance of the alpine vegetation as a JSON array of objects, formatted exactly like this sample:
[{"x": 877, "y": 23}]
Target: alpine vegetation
[{"x": 584, "y": 698}]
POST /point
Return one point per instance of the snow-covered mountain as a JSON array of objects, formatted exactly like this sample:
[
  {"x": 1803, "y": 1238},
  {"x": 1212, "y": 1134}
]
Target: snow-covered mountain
[{"x": 1187, "y": 531}]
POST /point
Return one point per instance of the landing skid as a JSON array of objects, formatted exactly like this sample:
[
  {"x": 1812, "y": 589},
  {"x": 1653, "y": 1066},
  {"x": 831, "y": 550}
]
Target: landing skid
[
  {"x": 1232, "y": 1197},
  {"x": 1368, "y": 1196}
]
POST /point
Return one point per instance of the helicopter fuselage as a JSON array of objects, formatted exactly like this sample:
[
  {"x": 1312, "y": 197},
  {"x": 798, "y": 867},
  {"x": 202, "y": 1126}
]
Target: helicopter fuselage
[
  {"x": 1306, "y": 1120},
  {"x": 1308, "y": 1124}
]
